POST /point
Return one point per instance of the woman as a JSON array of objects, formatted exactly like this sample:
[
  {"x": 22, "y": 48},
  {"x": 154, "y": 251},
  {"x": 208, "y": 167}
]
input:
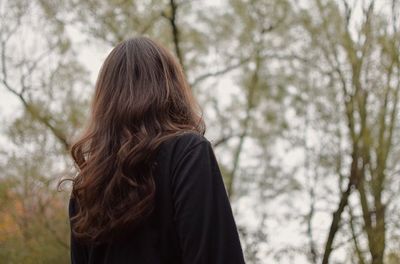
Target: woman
[{"x": 149, "y": 189}]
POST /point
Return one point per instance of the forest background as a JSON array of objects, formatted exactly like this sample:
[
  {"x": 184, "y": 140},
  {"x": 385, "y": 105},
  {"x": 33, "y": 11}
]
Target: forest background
[{"x": 301, "y": 101}]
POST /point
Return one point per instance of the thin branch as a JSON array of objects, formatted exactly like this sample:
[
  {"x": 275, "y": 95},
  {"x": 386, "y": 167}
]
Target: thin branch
[
  {"x": 337, "y": 215},
  {"x": 27, "y": 105},
  {"x": 355, "y": 238},
  {"x": 172, "y": 18},
  {"x": 227, "y": 69}
]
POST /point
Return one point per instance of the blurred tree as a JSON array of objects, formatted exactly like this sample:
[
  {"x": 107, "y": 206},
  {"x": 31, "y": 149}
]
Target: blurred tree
[
  {"x": 356, "y": 61},
  {"x": 319, "y": 79},
  {"x": 39, "y": 67}
]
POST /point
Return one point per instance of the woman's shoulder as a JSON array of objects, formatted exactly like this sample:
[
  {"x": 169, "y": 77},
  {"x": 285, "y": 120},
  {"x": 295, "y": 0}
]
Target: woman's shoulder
[
  {"x": 190, "y": 139},
  {"x": 182, "y": 143}
]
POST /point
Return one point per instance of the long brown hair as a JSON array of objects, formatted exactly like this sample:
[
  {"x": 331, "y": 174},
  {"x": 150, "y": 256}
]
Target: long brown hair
[{"x": 141, "y": 99}]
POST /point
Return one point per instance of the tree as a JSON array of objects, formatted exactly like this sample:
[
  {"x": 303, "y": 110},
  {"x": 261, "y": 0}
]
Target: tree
[
  {"x": 365, "y": 98},
  {"x": 42, "y": 73}
]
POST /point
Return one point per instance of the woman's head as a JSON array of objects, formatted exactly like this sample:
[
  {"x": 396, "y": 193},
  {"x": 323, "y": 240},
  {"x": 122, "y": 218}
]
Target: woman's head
[
  {"x": 141, "y": 99},
  {"x": 141, "y": 85}
]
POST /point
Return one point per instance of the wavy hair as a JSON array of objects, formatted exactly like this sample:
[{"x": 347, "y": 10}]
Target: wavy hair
[{"x": 141, "y": 99}]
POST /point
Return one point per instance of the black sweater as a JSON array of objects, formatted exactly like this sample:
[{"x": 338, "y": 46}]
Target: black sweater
[{"x": 192, "y": 222}]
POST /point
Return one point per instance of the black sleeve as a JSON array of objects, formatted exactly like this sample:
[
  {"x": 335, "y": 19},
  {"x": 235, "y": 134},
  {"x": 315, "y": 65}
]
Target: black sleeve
[
  {"x": 205, "y": 224},
  {"x": 78, "y": 252}
]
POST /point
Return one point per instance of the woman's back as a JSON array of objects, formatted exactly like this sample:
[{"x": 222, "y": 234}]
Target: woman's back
[{"x": 192, "y": 220}]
